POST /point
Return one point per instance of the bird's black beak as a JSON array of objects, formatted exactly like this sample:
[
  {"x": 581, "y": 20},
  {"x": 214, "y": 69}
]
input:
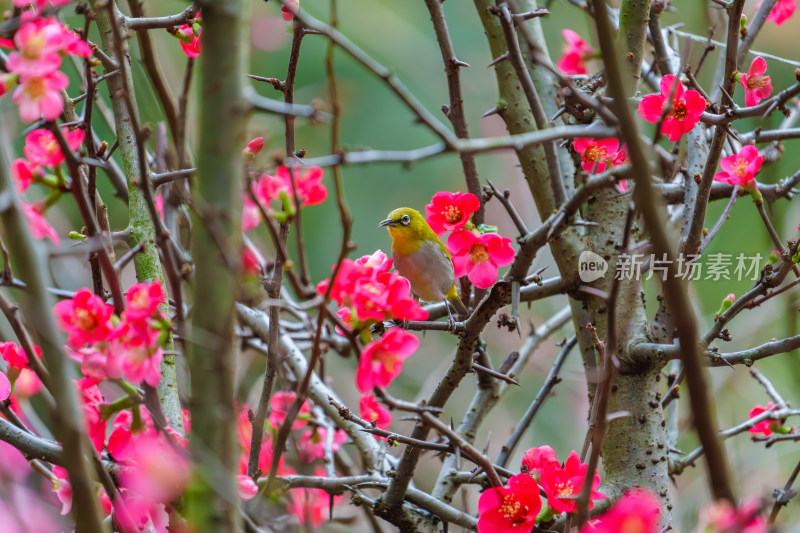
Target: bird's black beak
[{"x": 387, "y": 222}]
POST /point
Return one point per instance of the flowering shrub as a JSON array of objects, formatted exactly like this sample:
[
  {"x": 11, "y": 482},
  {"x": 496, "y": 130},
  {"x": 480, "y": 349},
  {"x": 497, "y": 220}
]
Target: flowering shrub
[{"x": 186, "y": 350}]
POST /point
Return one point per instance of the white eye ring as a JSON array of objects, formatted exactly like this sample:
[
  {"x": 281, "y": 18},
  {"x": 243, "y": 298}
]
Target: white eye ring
[{"x": 405, "y": 220}]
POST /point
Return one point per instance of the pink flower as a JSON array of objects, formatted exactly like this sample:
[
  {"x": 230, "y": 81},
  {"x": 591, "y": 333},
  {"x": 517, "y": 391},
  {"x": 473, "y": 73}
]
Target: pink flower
[
  {"x": 37, "y": 224},
  {"x": 311, "y": 506},
  {"x": 91, "y": 402},
  {"x": 41, "y": 146},
  {"x": 636, "y": 512},
  {"x": 596, "y": 154},
  {"x": 158, "y": 473},
  {"x": 622, "y": 159},
  {"x": 253, "y": 147},
  {"x": 15, "y": 356},
  {"x": 510, "y": 509},
  {"x": 576, "y": 52},
  {"x": 756, "y": 85},
  {"x": 781, "y": 12},
  {"x": 382, "y": 360},
  {"x": 136, "y": 346},
  {"x": 189, "y": 36},
  {"x": 40, "y": 97},
  {"x": 379, "y": 262},
  {"x": 251, "y": 214},
  {"x": 38, "y": 43},
  {"x": 372, "y": 292},
  {"x": 563, "y": 485},
  {"x": 95, "y": 363},
  {"x": 478, "y": 257},
  {"x": 140, "y": 513},
  {"x": 451, "y": 211},
  {"x": 62, "y": 488},
  {"x": 252, "y": 262},
  {"x": 685, "y": 108},
  {"x": 536, "y": 460},
  {"x": 5, "y": 387},
  {"x": 247, "y": 487},
  {"x": 289, "y": 9},
  {"x": 279, "y": 406},
  {"x": 39, "y": 5},
  {"x": 741, "y": 168},
  {"x": 766, "y": 427},
  {"x": 22, "y": 172},
  {"x": 27, "y": 384},
  {"x": 722, "y": 517},
  {"x": 143, "y": 299},
  {"x": 126, "y": 431},
  {"x": 374, "y": 412},
  {"x": 311, "y": 445},
  {"x": 307, "y": 181},
  {"x": 86, "y": 318}
]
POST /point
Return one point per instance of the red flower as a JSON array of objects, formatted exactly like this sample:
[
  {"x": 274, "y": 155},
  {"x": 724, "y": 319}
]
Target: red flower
[
  {"x": 781, "y": 12},
  {"x": 143, "y": 300},
  {"x": 382, "y": 360},
  {"x": 311, "y": 445},
  {"x": 42, "y": 148},
  {"x": 22, "y": 172},
  {"x": 26, "y": 382},
  {"x": 596, "y": 154},
  {"x": 722, "y": 517},
  {"x": 289, "y": 9},
  {"x": 38, "y": 225},
  {"x": 563, "y": 485},
  {"x": 91, "y": 401},
  {"x": 372, "y": 292},
  {"x": 311, "y": 506},
  {"x": 190, "y": 37},
  {"x": 478, "y": 257},
  {"x": 307, "y": 181},
  {"x": 62, "y": 487},
  {"x": 379, "y": 262},
  {"x": 636, "y": 512},
  {"x": 40, "y": 97},
  {"x": 685, "y": 108},
  {"x": 576, "y": 52},
  {"x": 126, "y": 430},
  {"x": 86, "y": 318},
  {"x": 279, "y": 405},
  {"x": 741, "y": 168},
  {"x": 510, "y": 509},
  {"x": 756, "y": 85},
  {"x": 536, "y": 460},
  {"x": 451, "y": 211},
  {"x": 135, "y": 346},
  {"x": 158, "y": 472},
  {"x": 765, "y": 426},
  {"x": 5, "y": 387},
  {"x": 372, "y": 411}
]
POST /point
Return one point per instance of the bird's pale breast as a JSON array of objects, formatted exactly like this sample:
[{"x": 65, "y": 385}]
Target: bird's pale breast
[{"x": 429, "y": 271}]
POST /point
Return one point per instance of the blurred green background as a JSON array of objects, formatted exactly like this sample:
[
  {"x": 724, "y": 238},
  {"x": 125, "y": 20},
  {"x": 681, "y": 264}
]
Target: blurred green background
[{"x": 400, "y": 36}]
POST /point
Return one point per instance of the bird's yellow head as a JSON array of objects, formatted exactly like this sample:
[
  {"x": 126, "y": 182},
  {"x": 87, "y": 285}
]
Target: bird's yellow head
[{"x": 405, "y": 224}]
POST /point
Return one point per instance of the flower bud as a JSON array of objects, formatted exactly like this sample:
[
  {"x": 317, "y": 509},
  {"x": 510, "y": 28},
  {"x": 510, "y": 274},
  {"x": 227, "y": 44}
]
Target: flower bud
[{"x": 253, "y": 147}]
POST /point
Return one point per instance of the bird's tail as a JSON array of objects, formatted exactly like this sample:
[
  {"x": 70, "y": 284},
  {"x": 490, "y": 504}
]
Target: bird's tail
[{"x": 458, "y": 305}]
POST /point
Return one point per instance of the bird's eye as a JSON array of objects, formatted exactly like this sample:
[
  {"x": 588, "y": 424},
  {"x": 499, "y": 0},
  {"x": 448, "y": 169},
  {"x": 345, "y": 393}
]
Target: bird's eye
[{"x": 405, "y": 220}]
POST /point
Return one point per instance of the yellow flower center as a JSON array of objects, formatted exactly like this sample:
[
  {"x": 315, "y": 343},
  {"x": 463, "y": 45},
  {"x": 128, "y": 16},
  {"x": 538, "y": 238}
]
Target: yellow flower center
[
  {"x": 512, "y": 509},
  {"x": 595, "y": 153},
  {"x": 740, "y": 167},
  {"x": 678, "y": 110},
  {"x": 479, "y": 253},
  {"x": 452, "y": 214},
  {"x": 756, "y": 82}
]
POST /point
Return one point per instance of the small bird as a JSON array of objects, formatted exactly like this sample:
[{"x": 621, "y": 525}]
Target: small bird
[{"x": 422, "y": 258}]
